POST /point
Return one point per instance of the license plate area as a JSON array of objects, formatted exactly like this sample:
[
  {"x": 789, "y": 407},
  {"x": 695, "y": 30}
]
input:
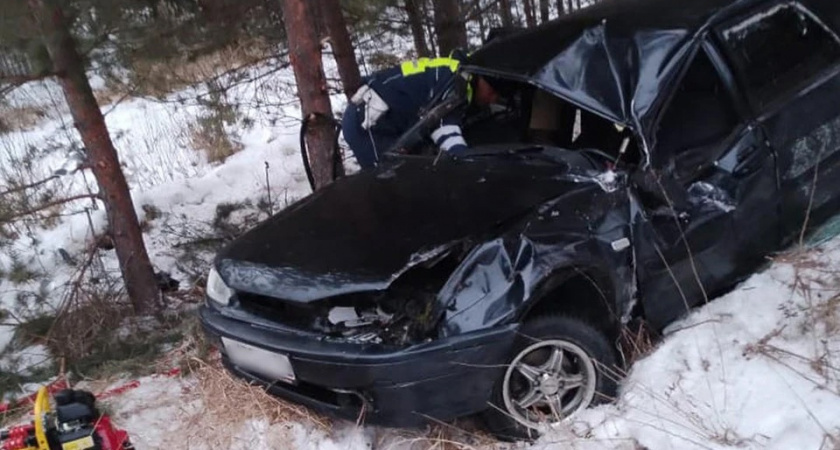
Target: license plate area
[{"x": 273, "y": 366}]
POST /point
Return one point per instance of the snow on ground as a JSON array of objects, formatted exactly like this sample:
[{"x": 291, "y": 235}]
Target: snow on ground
[{"x": 756, "y": 368}]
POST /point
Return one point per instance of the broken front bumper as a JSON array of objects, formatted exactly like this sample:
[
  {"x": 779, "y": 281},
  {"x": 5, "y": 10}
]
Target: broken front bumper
[{"x": 405, "y": 387}]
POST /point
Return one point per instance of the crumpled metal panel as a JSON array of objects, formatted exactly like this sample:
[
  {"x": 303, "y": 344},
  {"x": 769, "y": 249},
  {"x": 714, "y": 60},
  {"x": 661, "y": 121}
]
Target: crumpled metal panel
[
  {"x": 584, "y": 230},
  {"x": 606, "y": 61},
  {"x": 593, "y": 71},
  {"x": 488, "y": 286}
]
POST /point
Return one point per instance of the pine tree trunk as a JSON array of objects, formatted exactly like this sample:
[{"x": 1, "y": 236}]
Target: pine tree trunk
[
  {"x": 134, "y": 262},
  {"x": 305, "y": 54},
  {"x": 415, "y": 22},
  {"x": 545, "y": 11},
  {"x": 507, "y": 18},
  {"x": 343, "y": 51},
  {"x": 449, "y": 26},
  {"x": 530, "y": 18}
]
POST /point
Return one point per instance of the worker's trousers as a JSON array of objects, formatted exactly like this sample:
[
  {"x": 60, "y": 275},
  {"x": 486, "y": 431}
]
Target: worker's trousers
[{"x": 367, "y": 145}]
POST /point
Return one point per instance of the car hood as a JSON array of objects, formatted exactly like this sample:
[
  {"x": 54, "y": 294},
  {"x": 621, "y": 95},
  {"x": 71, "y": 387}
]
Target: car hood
[{"x": 364, "y": 231}]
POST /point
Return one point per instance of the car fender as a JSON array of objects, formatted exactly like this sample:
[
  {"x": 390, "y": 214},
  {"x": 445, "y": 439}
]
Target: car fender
[{"x": 502, "y": 279}]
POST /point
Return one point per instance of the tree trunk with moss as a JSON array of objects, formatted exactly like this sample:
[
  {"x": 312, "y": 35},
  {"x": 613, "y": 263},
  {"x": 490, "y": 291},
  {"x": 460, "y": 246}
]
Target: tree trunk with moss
[
  {"x": 134, "y": 262},
  {"x": 305, "y": 54}
]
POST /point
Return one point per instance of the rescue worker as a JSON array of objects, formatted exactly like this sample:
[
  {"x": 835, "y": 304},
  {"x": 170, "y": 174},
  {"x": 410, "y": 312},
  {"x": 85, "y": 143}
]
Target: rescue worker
[{"x": 390, "y": 102}]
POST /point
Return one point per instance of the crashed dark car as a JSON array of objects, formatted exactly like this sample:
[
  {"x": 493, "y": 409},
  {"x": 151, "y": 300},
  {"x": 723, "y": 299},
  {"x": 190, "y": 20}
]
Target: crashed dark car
[{"x": 647, "y": 156}]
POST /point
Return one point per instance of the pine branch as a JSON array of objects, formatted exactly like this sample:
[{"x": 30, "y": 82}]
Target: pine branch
[
  {"x": 9, "y": 83},
  {"x": 28, "y": 186},
  {"x": 224, "y": 88},
  {"x": 48, "y": 205}
]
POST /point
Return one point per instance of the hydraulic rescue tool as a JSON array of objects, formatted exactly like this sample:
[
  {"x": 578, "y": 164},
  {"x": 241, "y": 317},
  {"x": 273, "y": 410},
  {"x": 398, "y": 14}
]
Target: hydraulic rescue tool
[{"x": 75, "y": 424}]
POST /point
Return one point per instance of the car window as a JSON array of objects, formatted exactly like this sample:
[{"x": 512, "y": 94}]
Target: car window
[
  {"x": 780, "y": 49},
  {"x": 699, "y": 115}
]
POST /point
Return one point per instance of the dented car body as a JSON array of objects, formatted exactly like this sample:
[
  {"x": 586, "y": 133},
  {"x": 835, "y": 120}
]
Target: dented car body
[{"x": 650, "y": 156}]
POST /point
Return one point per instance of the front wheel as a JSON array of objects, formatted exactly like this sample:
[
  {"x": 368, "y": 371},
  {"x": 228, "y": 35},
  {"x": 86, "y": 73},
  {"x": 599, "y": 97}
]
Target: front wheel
[{"x": 560, "y": 366}]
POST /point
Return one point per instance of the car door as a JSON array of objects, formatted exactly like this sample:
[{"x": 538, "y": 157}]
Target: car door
[
  {"x": 709, "y": 208},
  {"x": 787, "y": 59}
]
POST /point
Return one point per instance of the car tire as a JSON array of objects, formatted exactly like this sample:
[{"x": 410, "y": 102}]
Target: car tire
[{"x": 559, "y": 365}]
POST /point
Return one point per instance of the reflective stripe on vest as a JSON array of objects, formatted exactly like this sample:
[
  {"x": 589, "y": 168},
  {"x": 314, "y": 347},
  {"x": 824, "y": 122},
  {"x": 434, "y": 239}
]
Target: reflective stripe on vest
[{"x": 420, "y": 66}]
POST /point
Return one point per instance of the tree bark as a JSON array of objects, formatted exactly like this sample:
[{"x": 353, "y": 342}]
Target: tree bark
[
  {"x": 530, "y": 17},
  {"x": 415, "y": 22},
  {"x": 449, "y": 26},
  {"x": 342, "y": 46},
  {"x": 135, "y": 266},
  {"x": 507, "y": 18},
  {"x": 545, "y": 11},
  {"x": 305, "y": 54}
]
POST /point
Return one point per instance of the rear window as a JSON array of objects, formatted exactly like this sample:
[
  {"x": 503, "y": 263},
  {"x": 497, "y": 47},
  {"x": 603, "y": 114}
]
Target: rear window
[{"x": 779, "y": 50}]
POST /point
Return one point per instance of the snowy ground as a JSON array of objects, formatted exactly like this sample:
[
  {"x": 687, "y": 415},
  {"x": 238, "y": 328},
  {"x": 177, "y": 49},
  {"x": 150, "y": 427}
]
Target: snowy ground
[{"x": 757, "y": 368}]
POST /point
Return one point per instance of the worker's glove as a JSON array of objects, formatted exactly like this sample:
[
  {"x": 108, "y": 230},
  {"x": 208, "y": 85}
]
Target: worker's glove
[{"x": 374, "y": 106}]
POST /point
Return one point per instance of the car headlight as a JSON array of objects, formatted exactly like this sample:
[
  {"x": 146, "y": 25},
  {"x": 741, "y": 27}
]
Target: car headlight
[{"x": 217, "y": 290}]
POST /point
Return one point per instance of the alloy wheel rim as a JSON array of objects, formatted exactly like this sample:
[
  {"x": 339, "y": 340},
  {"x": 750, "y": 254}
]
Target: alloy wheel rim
[{"x": 548, "y": 382}]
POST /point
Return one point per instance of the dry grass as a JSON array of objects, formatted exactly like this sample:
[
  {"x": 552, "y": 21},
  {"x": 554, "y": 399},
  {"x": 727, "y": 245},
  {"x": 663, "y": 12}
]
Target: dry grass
[
  {"x": 88, "y": 317},
  {"x": 228, "y": 404},
  {"x": 20, "y": 118},
  {"x": 158, "y": 78},
  {"x": 212, "y": 139},
  {"x": 109, "y": 94},
  {"x": 442, "y": 436},
  {"x": 827, "y": 313},
  {"x": 637, "y": 340}
]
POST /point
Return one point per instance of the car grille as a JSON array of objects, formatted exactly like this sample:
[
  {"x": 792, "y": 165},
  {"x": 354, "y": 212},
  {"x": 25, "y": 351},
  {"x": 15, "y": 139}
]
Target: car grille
[{"x": 288, "y": 313}]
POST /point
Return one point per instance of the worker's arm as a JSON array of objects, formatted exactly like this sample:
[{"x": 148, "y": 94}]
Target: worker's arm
[{"x": 449, "y": 137}]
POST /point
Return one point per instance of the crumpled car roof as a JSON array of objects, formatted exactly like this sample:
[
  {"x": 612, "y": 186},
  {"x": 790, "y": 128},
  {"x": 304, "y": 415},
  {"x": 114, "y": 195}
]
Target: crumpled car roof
[{"x": 612, "y": 58}]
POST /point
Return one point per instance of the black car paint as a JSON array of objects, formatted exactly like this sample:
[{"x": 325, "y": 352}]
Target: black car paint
[{"x": 669, "y": 233}]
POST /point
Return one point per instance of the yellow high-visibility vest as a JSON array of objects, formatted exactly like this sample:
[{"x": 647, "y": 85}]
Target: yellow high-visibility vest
[{"x": 420, "y": 65}]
